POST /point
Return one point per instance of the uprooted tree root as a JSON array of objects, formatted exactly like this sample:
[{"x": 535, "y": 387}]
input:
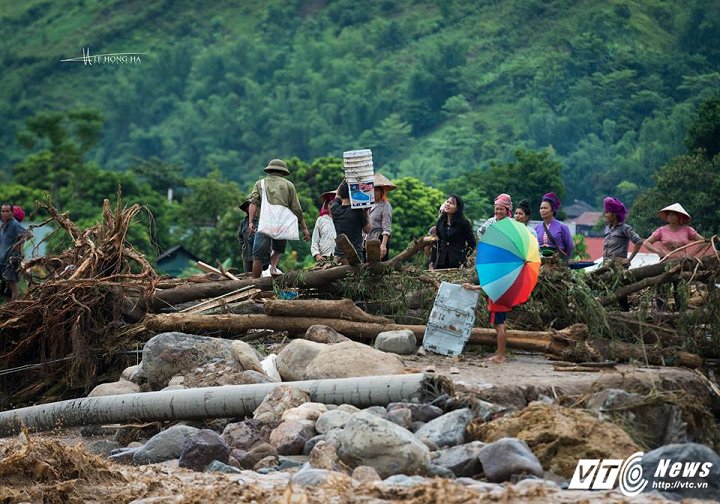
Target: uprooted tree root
[{"x": 63, "y": 333}]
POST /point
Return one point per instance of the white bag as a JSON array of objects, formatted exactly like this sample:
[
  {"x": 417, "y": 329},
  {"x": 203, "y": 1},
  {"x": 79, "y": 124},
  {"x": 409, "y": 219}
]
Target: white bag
[{"x": 277, "y": 221}]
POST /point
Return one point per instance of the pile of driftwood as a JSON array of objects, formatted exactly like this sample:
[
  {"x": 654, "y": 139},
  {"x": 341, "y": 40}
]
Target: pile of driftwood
[{"x": 63, "y": 331}]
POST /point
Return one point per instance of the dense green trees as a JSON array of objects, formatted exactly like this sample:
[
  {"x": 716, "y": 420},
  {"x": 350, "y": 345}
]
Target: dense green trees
[
  {"x": 692, "y": 179},
  {"x": 435, "y": 88}
]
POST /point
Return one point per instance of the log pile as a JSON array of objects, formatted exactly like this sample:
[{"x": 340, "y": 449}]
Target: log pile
[{"x": 101, "y": 296}]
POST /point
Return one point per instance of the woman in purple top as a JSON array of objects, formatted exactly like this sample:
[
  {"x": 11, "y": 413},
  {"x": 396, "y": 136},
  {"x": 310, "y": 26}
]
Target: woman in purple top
[{"x": 553, "y": 236}]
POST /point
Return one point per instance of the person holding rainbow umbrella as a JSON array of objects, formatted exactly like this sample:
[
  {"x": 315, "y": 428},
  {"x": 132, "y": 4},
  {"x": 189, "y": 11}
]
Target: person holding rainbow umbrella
[{"x": 508, "y": 264}]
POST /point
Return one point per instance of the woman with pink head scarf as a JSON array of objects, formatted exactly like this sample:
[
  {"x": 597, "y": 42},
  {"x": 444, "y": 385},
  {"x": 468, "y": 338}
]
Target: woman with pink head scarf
[
  {"x": 502, "y": 208},
  {"x": 498, "y": 313},
  {"x": 18, "y": 213},
  {"x": 554, "y": 237}
]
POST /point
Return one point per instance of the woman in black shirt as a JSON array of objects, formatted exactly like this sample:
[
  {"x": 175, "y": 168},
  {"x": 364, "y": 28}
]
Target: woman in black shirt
[{"x": 456, "y": 239}]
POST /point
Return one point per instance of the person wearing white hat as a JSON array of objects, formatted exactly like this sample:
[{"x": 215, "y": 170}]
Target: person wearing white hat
[{"x": 675, "y": 234}]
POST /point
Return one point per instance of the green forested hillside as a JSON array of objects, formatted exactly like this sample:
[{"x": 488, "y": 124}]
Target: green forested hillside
[{"x": 439, "y": 90}]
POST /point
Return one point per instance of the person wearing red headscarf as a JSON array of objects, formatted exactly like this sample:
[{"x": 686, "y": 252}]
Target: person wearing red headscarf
[
  {"x": 18, "y": 213},
  {"x": 498, "y": 313},
  {"x": 12, "y": 236},
  {"x": 501, "y": 208},
  {"x": 322, "y": 245}
]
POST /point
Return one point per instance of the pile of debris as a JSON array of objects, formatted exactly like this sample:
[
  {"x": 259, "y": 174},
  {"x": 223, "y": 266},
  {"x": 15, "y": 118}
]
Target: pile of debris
[
  {"x": 101, "y": 298},
  {"x": 64, "y": 332}
]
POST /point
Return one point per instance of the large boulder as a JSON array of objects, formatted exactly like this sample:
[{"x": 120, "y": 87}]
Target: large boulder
[
  {"x": 560, "y": 436},
  {"x": 462, "y": 459},
  {"x": 115, "y": 388},
  {"x": 508, "y": 457},
  {"x": 446, "y": 430},
  {"x": 277, "y": 402},
  {"x": 202, "y": 448},
  {"x": 324, "y": 334},
  {"x": 289, "y": 437},
  {"x": 333, "y": 419},
  {"x": 245, "y": 435},
  {"x": 351, "y": 359},
  {"x": 307, "y": 411},
  {"x": 401, "y": 342},
  {"x": 246, "y": 356},
  {"x": 166, "y": 445},
  {"x": 372, "y": 441},
  {"x": 688, "y": 470},
  {"x": 294, "y": 358},
  {"x": 173, "y": 353}
]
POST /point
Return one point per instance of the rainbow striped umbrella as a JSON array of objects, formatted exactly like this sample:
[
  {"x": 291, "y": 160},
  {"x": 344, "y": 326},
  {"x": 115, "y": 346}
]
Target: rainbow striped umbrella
[{"x": 508, "y": 262}]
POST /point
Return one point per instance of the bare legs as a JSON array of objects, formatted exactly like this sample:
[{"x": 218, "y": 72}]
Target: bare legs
[
  {"x": 274, "y": 260},
  {"x": 499, "y": 357}
]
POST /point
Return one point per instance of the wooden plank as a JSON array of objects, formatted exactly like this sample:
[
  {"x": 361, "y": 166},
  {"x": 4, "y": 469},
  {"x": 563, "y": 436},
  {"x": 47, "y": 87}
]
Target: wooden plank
[
  {"x": 209, "y": 269},
  {"x": 235, "y": 295},
  {"x": 348, "y": 250},
  {"x": 372, "y": 251},
  {"x": 220, "y": 302}
]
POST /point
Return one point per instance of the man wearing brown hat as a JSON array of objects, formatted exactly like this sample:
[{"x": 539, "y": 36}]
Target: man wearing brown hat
[{"x": 279, "y": 191}]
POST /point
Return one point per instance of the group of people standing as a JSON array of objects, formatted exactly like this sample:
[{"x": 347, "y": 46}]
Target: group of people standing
[
  {"x": 263, "y": 252},
  {"x": 457, "y": 240}
]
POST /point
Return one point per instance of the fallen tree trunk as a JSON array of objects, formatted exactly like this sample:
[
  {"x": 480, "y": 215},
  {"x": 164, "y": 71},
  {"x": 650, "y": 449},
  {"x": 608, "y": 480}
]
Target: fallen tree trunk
[
  {"x": 625, "y": 291},
  {"x": 574, "y": 344},
  {"x": 343, "y": 309},
  {"x": 193, "y": 291},
  {"x": 210, "y": 402},
  {"x": 364, "y": 331},
  {"x": 669, "y": 276},
  {"x": 302, "y": 279},
  {"x": 652, "y": 270}
]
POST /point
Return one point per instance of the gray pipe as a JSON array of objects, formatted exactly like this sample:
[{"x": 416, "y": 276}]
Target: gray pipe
[{"x": 227, "y": 401}]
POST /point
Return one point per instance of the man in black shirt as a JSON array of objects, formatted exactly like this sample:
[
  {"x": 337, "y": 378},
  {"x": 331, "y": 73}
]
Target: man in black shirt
[{"x": 350, "y": 222}]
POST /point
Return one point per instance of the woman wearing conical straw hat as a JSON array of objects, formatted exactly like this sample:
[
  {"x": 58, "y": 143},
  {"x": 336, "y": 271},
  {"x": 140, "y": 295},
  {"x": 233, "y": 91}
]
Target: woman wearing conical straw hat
[
  {"x": 381, "y": 214},
  {"x": 675, "y": 234}
]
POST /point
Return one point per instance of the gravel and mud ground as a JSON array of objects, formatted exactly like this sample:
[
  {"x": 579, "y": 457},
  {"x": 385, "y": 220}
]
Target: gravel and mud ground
[{"x": 56, "y": 467}]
